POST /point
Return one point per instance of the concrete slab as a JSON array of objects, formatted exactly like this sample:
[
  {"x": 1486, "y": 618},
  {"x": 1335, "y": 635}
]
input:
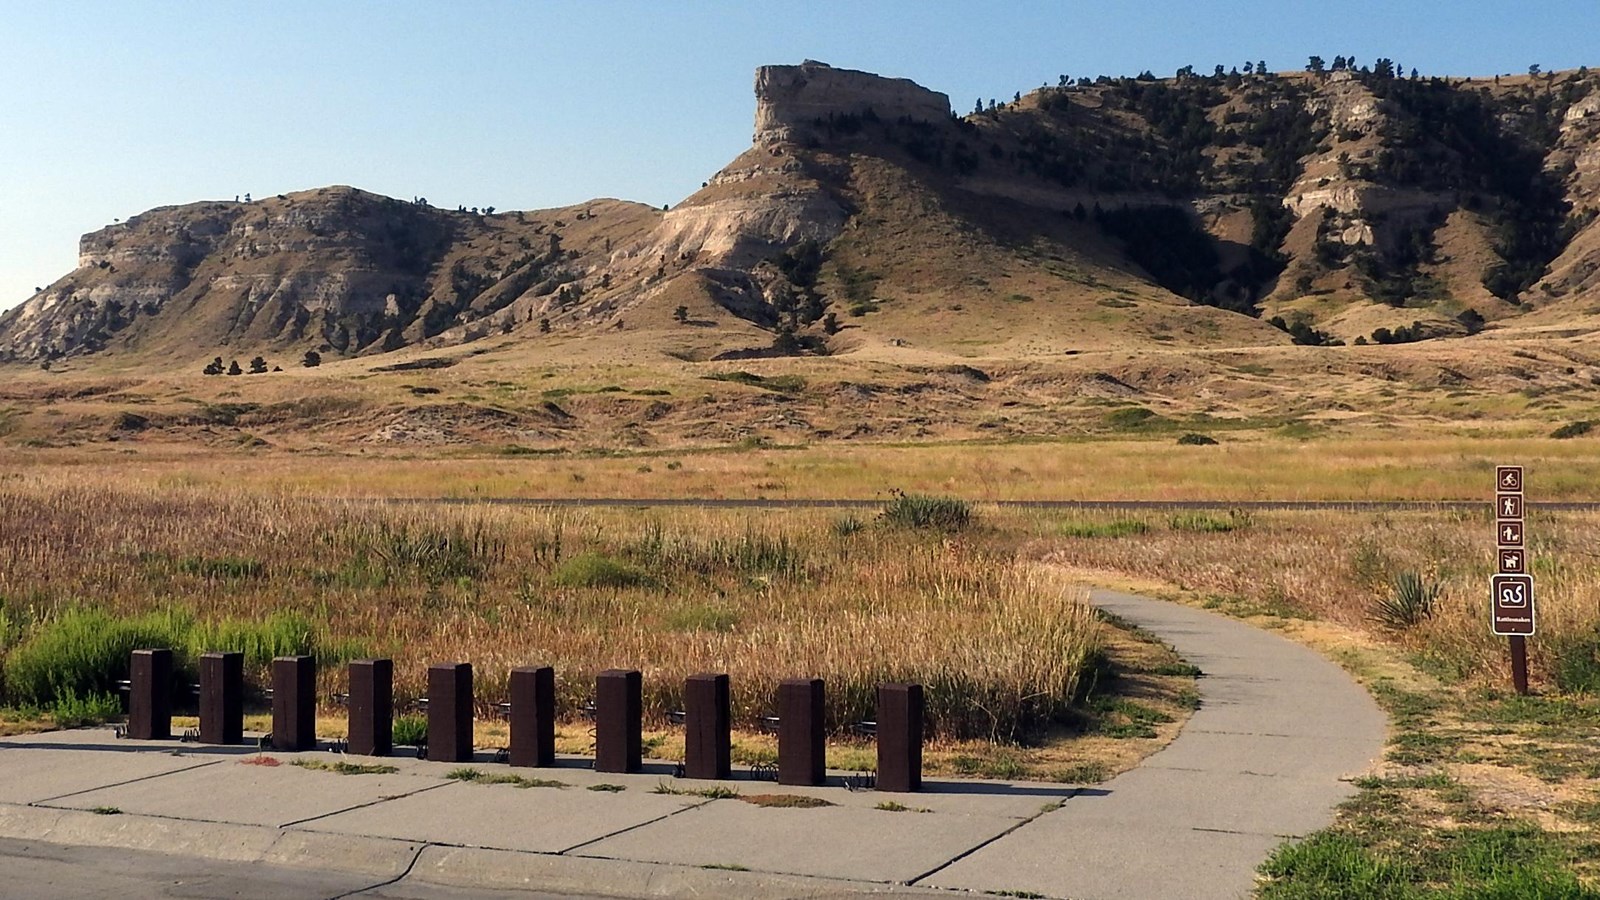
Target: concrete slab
[
  {"x": 570, "y": 876},
  {"x": 32, "y": 775},
  {"x": 503, "y": 817},
  {"x": 1114, "y": 863},
  {"x": 1161, "y": 798},
  {"x": 831, "y": 842},
  {"x": 245, "y": 794},
  {"x": 1291, "y": 756}
]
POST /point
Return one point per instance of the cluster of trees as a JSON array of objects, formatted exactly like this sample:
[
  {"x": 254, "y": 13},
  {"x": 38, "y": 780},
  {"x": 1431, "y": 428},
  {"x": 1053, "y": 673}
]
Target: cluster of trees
[
  {"x": 257, "y": 365},
  {"x": 1301, "y": 332}
]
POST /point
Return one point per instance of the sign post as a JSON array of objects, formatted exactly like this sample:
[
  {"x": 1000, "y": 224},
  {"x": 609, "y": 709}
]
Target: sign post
[{"x": 1511, "y": 590}]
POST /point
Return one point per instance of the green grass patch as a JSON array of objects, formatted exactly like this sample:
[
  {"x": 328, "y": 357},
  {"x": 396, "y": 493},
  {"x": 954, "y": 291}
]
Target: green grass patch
[
  {"x": 715, "y": 792},
  {"x": 606, "y": 788},
  {"x": 597, "y": 570},
  {"x": 345, "y": 768},
  {"x": 892, "y": 806},
  {"x": 1115, "y": 528},
  {"x": 478, "y": 776},
  {"x": 703, "y": 617},
  {"x": 1205, "y": 523},
  {"x": 410, "y": 730}
]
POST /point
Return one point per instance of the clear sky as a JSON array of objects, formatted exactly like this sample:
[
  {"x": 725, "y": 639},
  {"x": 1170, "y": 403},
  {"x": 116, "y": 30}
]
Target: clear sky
[{"x": 110, "y": 108}]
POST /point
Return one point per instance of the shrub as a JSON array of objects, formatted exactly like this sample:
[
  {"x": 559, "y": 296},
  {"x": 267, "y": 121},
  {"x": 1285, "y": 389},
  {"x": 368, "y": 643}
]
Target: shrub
[
  {"x": 1410, "y": 601},
  {"x": 916, "y": 511},
  {"x": 845, "y": 526},
  {"x": 589, "y": 570},
  {"x": 1572, "y": 430},
  {"x": 1132, "y": 417},
  {"x": 1197, "y": 440}
]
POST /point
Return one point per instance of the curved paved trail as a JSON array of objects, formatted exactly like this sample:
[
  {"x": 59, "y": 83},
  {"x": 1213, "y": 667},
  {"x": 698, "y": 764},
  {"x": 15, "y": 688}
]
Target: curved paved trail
[{"x": 1264, "y": 758}]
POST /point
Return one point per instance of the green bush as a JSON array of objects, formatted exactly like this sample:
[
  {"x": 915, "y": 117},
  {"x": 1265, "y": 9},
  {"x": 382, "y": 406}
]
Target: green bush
[
  {"x": 591, "y": 570},
  {"x": 1573, "y": 429},
  {"x": 1132, "y": 417},
  {"x": 915, "y": 511},
  {"x": 1193, "y": 439}
]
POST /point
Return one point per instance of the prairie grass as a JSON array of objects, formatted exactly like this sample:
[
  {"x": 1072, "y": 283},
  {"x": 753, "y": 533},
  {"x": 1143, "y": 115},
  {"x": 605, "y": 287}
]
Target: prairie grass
[
  {"x": 93, "y": 570},
  {"x": 1410, "y": 466},
  {"x": 1417, "y": 580}
]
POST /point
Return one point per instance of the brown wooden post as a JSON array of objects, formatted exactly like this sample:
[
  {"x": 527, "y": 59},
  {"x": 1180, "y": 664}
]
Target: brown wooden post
[
  {"x": 372, "y": 707},
  {"x": 900, "y": 717},
  {"x": 619, "y": 718},
  {"x": 150, "y": 695},
  {"x": 802, "y": 750},
  {"x": 222, "y": 698},
  {"x": 533, "y": 716},
  {"x": 1519, "y": 664},
  {"x": 707, "y": 723},
  {"x": 294, "y": 703},
  {"x": 450, "y": 712}
]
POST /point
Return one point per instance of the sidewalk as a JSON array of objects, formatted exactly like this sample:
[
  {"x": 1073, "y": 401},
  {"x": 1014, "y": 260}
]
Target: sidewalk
[{"x": 1260, "y": 761}]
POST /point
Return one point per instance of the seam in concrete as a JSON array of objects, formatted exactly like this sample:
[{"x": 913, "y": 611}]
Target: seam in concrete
[
  {"x": 101, "y": 787},
  {"x": 974, "y": 849},
  {"x": 628, "y": 829},
  {"x": 384, "y": 799}
]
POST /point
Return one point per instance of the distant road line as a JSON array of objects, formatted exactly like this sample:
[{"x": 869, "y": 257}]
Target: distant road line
[{"x": 1134, "y": 505}]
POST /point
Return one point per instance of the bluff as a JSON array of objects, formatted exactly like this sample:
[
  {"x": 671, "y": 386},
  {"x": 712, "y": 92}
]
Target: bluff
[{"x": 1197, "y": 211}]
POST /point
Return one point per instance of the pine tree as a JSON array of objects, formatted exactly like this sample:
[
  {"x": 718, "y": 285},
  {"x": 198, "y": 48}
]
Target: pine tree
[
  {"x": 233, "y": 368},
  {"x": 312, "y": 360}
]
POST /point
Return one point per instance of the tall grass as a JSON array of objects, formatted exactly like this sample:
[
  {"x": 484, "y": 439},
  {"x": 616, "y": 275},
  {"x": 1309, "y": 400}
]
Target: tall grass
[
  {"x": 998, "y": 642},
  {"x": 82, "y": 652}
]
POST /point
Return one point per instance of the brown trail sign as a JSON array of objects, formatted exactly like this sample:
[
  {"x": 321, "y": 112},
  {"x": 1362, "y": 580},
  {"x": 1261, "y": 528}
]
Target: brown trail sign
[{"x": 1511, "y": 591}]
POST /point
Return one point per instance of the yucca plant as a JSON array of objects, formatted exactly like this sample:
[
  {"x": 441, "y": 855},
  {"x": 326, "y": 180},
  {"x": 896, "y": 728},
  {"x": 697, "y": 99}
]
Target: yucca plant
[{"x": 1410, "y": 600}]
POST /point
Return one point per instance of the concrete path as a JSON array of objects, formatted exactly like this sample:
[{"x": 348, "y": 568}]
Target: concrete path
[{"x": 1263, "y": 759}]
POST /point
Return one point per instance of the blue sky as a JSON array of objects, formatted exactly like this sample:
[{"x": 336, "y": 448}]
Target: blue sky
[{"x": 108, "y": 109}]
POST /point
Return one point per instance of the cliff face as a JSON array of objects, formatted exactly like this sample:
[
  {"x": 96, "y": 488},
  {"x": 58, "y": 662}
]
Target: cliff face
[{"x": 794, "y": 102}]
